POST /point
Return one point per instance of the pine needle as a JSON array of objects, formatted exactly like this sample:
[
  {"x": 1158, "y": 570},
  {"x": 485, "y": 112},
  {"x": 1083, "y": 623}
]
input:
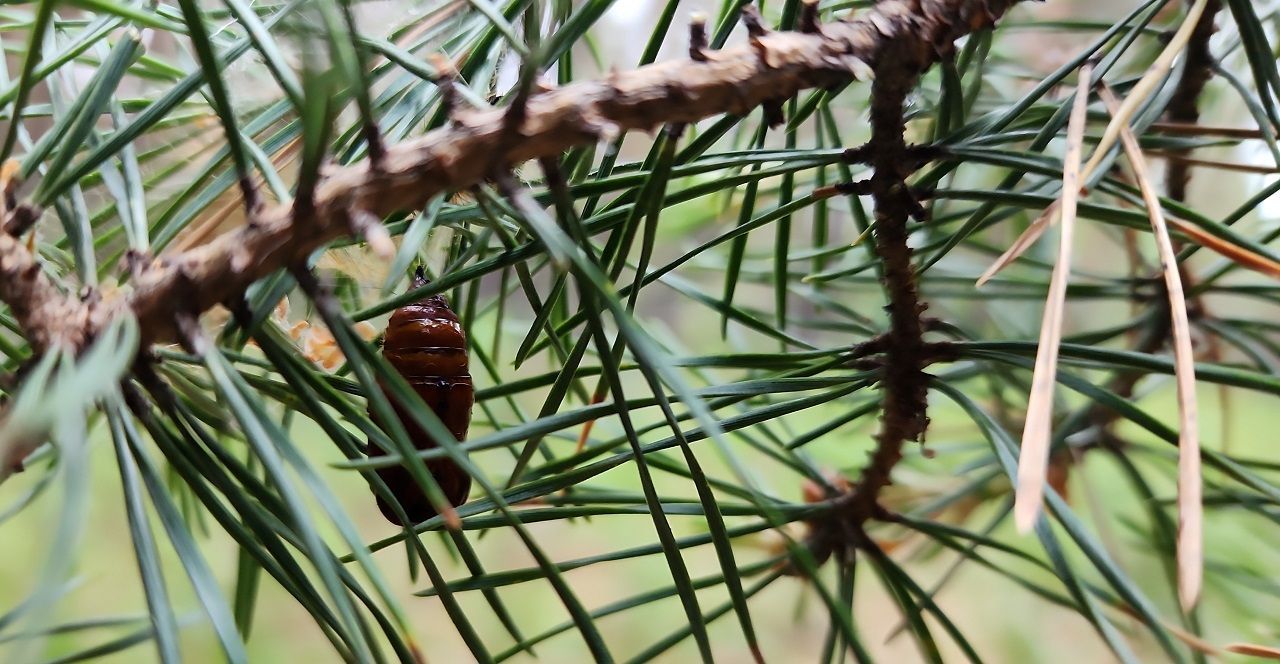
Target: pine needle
[
  {"x": 1190, "y": 510},
  {"x": 1246, "y": 258},
  {"x": 1035, "y": 434},
  {"x": 1192, "y": 641},
  {"x": 1139, "y": 94},
  {"x": 1146, "y": 86},
  {"x": 1261, "y": 652},
  {"x": 1024, "y": 241}
]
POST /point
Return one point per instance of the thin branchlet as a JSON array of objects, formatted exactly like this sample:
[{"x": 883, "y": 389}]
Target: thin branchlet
[
  {"x": 901, "y": 354},
  {"x": 904, "y": 383}
]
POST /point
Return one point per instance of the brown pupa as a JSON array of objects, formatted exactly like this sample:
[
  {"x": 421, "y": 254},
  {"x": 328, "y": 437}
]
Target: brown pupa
[{"x": 425, "y": 343}]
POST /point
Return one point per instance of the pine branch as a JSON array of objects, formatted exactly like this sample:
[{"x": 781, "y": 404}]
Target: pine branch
[
  {"x": 47, "y": 315},
  {"x": 773, "y": 67}
]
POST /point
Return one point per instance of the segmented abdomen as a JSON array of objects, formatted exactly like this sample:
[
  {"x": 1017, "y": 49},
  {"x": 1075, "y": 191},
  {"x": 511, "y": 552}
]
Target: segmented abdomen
[{"x": 426, "y": 344}]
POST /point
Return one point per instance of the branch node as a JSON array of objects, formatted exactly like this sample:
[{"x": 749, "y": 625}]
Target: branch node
[
  {"x": 755, "y": 37},
  {"x": 136, "y": 261},
  {"x": 604, "y": 130},
  {"x": 190, "y": 335},
  {"x": 907, "y": 198},
  {"x": 773, "y": 115},
  {"x": 446, "y": 80},
  {"x": 554, "y": 177},
  {"x": 915, "y": 156},
  {"x": 698, "y": 37},
  {"x": 857, "y": 188},
  {"x": 23, "y": 217},
  {"x": 10, "y": 180},
  {"x": 751, "y": 19},
  {"x": 366, "y": 225},
  {"x": 513, "y": 119},
  {"x": 675, "y": 130},
  {"x": 857, "y": 155},
  {"x": 304, "y": 199},
  {"x": 252, "y": 200},
  {"x": 240, "y": 310},
  {"x": 513, "y": 122},
  {"x": 810, "y": 21},
  {"x": 376, "y": 146}
]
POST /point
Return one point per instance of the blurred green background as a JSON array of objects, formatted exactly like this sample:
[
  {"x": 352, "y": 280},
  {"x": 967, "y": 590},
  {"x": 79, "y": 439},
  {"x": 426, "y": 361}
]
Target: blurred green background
[{"x": 1005, "y": 622}]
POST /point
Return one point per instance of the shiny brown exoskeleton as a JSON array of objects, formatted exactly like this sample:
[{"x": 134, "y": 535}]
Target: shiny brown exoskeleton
[{"x": 425, "y": 343}]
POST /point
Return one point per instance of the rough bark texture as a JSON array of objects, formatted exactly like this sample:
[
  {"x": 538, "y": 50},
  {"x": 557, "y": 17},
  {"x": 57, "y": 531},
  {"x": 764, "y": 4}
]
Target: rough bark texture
[
  {"x": 904, "y": 386},
  {"x": 47, "y": 314},
  {"x": 773, "y": 67}
]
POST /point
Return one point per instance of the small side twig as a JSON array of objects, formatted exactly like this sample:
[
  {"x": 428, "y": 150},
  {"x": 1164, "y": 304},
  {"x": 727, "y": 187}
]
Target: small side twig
[
  {"x": 446, "y": 80},
  {"x": 22, "y": 219},
  {"x": 810, "y": 22},
  {"x": 698, "y": 37},
  {"x": 904, "y": 382}
]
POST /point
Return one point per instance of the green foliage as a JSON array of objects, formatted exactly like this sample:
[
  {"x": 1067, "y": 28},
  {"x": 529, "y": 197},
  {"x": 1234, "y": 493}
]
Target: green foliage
[{"x": 666, "y": 348}]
